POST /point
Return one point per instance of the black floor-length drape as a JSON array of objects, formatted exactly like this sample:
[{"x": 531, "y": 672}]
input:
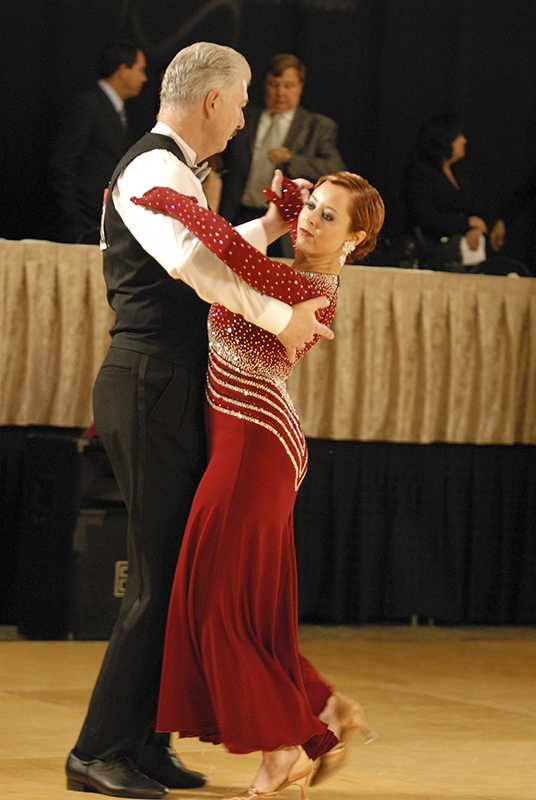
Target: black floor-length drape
[
  {"x": 384, "y": 531},
  {"x": 387, "y": 532}
]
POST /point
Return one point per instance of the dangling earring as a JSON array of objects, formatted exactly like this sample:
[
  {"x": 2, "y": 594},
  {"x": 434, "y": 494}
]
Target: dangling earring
[{"x": 347, "y": 248}]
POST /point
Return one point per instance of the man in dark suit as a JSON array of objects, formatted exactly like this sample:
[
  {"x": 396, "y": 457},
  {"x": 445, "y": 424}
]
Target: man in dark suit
[
  {"x": 92, "y": 139},
  {"x": 283, "y": 135}
]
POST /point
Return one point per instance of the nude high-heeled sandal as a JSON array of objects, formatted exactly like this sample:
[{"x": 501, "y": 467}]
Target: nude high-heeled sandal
[
  {"x": 299, "y": 775},
  {"x": 350, "y": 716}
]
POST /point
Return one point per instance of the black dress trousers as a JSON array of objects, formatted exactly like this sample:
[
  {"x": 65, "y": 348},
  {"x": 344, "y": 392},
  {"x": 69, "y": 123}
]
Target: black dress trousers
[{"x": 149, "y": 416}]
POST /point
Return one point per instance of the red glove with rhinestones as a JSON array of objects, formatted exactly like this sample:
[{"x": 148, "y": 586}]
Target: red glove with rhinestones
[{"x": 288, "y": 206}]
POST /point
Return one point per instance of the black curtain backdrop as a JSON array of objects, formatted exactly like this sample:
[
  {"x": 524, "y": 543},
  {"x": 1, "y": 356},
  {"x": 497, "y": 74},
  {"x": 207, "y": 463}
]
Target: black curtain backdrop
[
  {"x": 379, "y": 68},
  {"x": 384, "y": 532},
  {"x": 388, "y": 532}
]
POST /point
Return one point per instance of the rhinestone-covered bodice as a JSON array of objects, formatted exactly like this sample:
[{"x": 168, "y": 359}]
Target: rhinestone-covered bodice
[
  {"x": 253, "y": 350},
  {"x": 248, "y": 368}
]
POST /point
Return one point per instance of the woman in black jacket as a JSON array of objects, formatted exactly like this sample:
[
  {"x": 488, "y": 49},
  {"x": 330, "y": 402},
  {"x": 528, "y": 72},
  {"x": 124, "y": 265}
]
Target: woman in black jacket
[{"x": 442, "y": 211}]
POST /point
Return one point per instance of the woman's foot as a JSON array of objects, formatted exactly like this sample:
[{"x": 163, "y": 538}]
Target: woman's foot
[
  {"x": 279, "y": 769},
  {"x": 275, "y": 769},
  {"x": 342, "y": 715}
]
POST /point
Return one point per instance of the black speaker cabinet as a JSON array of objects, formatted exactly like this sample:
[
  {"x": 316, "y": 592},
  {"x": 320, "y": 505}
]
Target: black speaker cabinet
[
  {"x": 48, "y": 516},
  {"x": 71, "y": 564},
  {"x": 99, "y": 571}
]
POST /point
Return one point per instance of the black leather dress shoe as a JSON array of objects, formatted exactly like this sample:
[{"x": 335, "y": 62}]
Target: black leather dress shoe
[
  {"x": 117, "y": 777},
  {"x": 161, "y": 764}
]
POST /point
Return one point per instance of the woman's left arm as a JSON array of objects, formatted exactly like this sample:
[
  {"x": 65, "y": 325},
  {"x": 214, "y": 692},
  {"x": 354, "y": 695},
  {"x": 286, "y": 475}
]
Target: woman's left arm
[{"x": 266, "y": 276}]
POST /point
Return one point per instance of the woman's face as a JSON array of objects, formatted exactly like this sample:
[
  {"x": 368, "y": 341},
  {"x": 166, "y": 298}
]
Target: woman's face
[
  {"x": 458, "y": 148},
  {"x": 324, "y": 222}
]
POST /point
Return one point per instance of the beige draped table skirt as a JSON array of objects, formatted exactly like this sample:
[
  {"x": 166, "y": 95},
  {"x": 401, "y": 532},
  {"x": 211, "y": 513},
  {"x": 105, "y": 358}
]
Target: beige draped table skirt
[
  {"x": 417, "y": 357},
  {"x": 424, "y": 357}
]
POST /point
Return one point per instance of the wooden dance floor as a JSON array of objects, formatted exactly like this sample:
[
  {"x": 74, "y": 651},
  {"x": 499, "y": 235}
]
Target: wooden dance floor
[{"x": 455, "y": 709}]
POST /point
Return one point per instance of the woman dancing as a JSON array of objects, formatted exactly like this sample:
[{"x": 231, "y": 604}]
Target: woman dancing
[{"x": 232, "y": 670}]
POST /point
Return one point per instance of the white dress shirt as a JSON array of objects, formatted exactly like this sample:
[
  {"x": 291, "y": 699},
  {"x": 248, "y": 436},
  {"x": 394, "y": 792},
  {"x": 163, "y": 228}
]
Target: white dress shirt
[
  {"x": 179, "y": 251},
  {"x": 112, "y": 95}
]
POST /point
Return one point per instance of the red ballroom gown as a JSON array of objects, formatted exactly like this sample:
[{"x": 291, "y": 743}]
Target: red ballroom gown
[{"x": 232, "y": 672}]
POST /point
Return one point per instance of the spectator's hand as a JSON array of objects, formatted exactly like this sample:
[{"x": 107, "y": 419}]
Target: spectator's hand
[
  {"x": 279, "y": 155},
  {"x": 478, "y": 222},
  {"x": 497, "y": 235},
  {"x": 304, "y": 326},
  {"x": 473, "y": 237}
]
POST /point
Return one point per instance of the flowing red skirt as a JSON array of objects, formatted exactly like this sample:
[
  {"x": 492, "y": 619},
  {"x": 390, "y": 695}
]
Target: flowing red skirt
[{"x": 232, "y": 672}]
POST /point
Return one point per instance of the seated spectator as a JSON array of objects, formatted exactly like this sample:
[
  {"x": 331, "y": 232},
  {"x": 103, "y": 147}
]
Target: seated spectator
[{"x": 442, "y": 211}]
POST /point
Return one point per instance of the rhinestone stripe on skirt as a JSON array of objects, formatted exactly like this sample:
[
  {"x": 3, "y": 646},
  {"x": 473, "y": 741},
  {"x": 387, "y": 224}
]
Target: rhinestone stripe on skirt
[{"x": 261, "y": 400}]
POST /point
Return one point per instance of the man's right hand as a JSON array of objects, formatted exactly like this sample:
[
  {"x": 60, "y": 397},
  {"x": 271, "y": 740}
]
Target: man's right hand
[{"x": 304, "y": 326}]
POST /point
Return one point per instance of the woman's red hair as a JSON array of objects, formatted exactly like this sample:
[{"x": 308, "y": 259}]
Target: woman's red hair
[{"x": 365, "y": 206}]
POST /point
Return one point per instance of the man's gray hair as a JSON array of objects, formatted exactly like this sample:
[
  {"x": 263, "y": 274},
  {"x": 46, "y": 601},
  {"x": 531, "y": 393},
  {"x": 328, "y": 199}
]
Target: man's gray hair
[{"x": 198, "y": 69}]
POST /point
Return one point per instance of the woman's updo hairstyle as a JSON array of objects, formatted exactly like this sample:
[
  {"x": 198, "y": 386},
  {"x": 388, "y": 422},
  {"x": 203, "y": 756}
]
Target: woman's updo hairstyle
[{"x": 366, "y": 209}]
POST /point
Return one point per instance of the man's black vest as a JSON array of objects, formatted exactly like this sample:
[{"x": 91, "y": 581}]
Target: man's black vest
[{"x": 155, "y": 313}]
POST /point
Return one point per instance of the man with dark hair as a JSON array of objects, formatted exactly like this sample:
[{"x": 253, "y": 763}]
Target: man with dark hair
[
  {"x": 117, "y": 53},
  {"x": 283, "y": 135},
  {"x": 92, "y": 138}
]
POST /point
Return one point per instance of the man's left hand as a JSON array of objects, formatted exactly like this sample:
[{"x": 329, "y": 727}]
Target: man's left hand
[
  {"x": 302, "y": 183},
  {"x": 274, "y": 226}
]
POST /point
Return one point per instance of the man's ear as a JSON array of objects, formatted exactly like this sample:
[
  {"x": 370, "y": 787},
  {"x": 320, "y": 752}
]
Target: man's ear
[
  {"x": 122, "y": 70},
  {"x": 211, "y": 102}
]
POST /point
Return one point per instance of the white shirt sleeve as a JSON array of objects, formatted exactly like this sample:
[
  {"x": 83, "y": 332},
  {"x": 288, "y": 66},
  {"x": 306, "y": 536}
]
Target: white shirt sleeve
[{"x": 180, "y": 252}]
